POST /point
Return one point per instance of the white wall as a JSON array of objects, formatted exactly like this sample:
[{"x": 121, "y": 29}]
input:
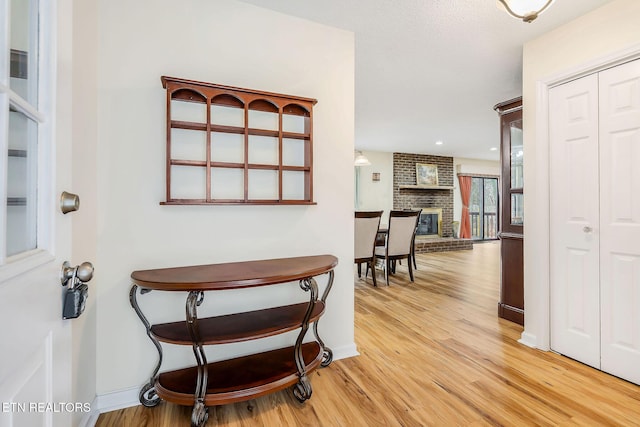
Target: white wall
[
  {"x": 84, "y": 179},
  {"x": 606, "y": 31},
  {"x": 376, "y": 195},
  {"x": 231, "y": 43},
  {"x": 476, "y": 167}
]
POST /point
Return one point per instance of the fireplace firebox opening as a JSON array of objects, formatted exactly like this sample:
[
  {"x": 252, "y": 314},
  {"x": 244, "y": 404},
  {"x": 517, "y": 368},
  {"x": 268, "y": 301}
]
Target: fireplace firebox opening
[{"x": 430, "y": 223}]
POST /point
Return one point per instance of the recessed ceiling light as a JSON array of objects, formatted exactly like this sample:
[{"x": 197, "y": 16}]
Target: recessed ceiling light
[
  {"x": 493, "y": 149},
  {"x": 439, "y": 142}
]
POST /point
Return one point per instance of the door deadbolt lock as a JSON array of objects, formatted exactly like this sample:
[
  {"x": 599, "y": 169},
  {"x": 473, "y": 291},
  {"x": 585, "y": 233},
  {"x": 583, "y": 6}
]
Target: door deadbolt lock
[
  {"x": 75, "y": 296},
  {"x": 69, "y": 202}
]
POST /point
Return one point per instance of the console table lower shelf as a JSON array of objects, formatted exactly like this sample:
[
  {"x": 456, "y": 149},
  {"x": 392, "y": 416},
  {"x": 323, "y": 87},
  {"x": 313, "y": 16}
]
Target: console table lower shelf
[
  {"x": 239, "y": 379},
  {"x": 246, "y": 377}
]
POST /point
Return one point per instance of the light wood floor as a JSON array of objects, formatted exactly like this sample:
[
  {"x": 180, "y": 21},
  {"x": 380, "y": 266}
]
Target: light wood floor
[{"x": 433, "y": 353}]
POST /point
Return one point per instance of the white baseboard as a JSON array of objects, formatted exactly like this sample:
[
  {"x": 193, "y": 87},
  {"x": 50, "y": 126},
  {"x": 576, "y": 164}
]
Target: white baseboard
[
  {"x": 345, "y": 351},
  {"x": 528, "y": 339},
  {"x": 120, "y": 399}
]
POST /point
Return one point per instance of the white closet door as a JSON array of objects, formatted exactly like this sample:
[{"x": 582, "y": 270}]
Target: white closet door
[
  {"x": 620, "y": 220},
  {"x": 574, "y": 206}
]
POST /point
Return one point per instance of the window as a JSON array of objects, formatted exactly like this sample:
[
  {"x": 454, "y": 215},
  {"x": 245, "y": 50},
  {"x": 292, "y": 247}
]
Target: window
[{"x": 23, "y": 129}]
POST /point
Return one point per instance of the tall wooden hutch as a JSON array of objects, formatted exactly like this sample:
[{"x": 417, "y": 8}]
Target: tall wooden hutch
[{"x": 511, "y": 304}]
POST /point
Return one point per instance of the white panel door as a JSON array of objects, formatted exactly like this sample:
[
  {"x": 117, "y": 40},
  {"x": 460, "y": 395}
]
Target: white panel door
[
  {"x": 574, "y": 240},
  {"x": 620, "y": 220},
  {"x": 35, "y": 153}
]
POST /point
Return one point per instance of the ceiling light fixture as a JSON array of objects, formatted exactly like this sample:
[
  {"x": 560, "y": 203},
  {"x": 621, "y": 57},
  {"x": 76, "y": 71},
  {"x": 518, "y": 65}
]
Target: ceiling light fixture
[
  {"x": 527, "y": 10},
  {"x": 361, "y": 160}
]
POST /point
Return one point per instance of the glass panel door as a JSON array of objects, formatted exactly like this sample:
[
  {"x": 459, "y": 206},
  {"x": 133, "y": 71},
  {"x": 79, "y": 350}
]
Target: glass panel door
[
  {"x": 476, "y": 207},
  {"x": 23, "y": 42},
  {"x": 21, "y": 183},
  {"x": 490, "y": 213},
  {"x": 517, "y": 181},
  {"x": 483, "y": 208},
  {"x": 517, "y": 150},
  {"x": 21, "y": 117}
]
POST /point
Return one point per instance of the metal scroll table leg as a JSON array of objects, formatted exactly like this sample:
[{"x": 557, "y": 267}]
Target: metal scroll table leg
[
  {"x": 327, "y": 354},
  {"x": 302, "y": 389},
  {"x": 200, "y": 414},
  {"x": 147, "y": 396}
]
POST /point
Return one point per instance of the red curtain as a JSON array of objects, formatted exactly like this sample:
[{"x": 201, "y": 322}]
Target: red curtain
[{"x": 465, "y": 193}]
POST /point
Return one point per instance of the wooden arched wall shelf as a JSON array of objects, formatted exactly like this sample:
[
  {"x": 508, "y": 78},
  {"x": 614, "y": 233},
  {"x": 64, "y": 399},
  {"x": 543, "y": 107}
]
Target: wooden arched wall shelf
[{"x": 229, "y": 145}]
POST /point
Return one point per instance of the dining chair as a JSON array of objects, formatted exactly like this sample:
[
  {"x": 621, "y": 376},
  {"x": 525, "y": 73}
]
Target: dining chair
[
  {"x": 413, "y": 241},
  {"x": 399, "y": 242},
  {"x": 366, "y": 230}
]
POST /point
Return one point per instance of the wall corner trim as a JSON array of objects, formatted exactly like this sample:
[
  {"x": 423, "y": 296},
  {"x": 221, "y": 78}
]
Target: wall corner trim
[
  {"x": 345, "y": 351},
  {"x": 91, "y": 418},
  {"x": 528, "y": 339}
]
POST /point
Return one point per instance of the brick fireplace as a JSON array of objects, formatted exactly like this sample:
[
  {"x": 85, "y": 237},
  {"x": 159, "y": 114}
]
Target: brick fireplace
[{"x": 404, "y": 174}]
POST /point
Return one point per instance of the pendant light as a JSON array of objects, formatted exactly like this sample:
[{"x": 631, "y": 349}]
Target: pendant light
[
  {"x": 361, "y": 160},
  {"x": 527, "y": 10}
]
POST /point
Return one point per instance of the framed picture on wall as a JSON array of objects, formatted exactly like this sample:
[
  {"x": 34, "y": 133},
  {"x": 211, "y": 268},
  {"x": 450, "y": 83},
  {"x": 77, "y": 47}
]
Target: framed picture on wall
[{"x": 426, "y": 174}]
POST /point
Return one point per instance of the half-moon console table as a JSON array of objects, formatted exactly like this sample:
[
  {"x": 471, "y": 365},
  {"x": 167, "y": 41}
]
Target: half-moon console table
[{"x": 246, "y": 377}]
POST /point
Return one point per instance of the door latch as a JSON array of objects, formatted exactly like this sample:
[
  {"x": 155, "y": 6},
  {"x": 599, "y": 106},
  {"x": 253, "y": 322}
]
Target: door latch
[{"x": 75, "y": 297}]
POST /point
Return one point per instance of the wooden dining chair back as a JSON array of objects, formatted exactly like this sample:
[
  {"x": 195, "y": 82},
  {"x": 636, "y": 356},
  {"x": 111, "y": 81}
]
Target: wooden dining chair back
[
  {"x": 413, "y": 241},
  {"x": 366, "y": 229},
  {"x": 400, "y": 238}
]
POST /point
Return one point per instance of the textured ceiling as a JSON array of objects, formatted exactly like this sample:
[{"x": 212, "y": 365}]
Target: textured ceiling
[{"x": 432, "y": 70}]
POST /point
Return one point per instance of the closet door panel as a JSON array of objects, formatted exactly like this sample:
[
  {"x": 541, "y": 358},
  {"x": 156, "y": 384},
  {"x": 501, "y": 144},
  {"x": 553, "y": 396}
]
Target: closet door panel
[
  {"x": 574, "y": 218},
  {"x": 620, "y": 219}
]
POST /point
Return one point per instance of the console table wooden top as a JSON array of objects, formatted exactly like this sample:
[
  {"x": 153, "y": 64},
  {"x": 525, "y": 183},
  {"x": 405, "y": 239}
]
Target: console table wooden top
[{"x": 234, "y": 275}]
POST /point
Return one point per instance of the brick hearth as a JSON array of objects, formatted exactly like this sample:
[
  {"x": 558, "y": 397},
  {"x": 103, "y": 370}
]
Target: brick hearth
[{"x": 443, "y": 244}]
